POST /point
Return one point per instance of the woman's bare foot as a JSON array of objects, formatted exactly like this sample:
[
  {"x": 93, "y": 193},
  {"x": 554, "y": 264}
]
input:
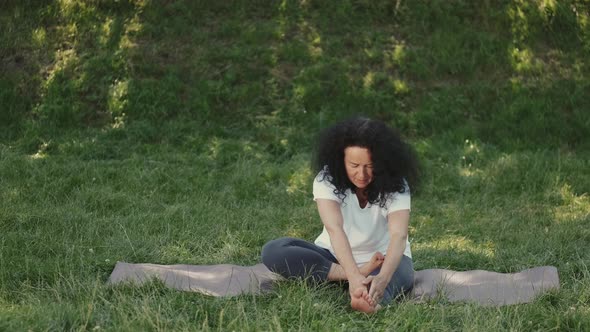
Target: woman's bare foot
[
  {"x": 358, "y": 302},
  {"x": 372, "y": 264},
  {"x": 371, "y": 302}
]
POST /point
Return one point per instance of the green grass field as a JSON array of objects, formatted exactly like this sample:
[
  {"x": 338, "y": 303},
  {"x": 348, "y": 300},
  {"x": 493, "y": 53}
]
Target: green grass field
[{"x": 181, "y": 132}]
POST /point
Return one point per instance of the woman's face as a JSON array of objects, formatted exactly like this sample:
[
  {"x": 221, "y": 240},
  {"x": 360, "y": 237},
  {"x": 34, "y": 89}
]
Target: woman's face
[{"x": 359, "y": 166}]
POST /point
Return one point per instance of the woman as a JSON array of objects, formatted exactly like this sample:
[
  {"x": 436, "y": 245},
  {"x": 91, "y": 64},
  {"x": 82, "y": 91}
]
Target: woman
[{"x": 362, "y": 191}]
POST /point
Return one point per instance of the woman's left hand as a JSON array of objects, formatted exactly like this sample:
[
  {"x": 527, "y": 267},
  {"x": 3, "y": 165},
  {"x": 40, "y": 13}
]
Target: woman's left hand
[{"x": 377, "y": 287}]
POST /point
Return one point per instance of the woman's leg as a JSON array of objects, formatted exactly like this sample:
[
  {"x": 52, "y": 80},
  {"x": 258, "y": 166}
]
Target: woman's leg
[
  {"x": 292, "y": 257},
  {"x": 337, "y": 272},
  {"x": 401, "y": 282}
]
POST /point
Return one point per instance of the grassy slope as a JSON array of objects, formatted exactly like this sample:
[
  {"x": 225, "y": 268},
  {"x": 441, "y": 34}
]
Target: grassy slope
[{"x": 180, "y": 132}]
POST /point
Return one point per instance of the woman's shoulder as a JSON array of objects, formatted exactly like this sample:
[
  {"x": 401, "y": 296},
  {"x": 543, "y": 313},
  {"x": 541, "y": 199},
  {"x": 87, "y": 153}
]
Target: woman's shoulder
[
  {"x": 323, "y": 179},
  {"x": 323, "y": 187},
  {"x": 399, "y": 200},
  {"x": 405, "y": 191}
]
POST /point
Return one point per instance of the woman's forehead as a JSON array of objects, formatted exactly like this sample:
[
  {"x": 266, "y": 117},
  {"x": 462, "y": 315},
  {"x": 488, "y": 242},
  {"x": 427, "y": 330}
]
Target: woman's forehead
[{"x": 357, "y": 155}]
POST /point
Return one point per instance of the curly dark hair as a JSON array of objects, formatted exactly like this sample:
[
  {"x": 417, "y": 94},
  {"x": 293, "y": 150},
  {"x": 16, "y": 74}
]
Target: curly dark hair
[{"x": 394, "y": 161}]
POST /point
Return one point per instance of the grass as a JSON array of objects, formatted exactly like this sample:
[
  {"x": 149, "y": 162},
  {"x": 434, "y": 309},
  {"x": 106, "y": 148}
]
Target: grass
[{"x": 181, "y": 132}]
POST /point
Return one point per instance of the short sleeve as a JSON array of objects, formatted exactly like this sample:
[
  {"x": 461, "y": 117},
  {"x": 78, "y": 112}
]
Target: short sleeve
[
  {"x": 323, "y": 189},
  {"x": 398, "y": 201}
]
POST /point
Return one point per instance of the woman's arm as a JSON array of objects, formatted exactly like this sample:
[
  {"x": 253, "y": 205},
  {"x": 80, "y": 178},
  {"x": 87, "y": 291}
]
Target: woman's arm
[
  {"x": 397, "y": 222},
  {"x": 333, "y": 221}
]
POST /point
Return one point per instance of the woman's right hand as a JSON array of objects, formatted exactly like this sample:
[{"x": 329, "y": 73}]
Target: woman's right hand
[{"x": 356, "y": 282}]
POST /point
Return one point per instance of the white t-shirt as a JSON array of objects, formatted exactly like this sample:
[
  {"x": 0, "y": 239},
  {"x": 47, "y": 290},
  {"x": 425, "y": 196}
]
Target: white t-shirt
[{"x": 366, "y": 228}]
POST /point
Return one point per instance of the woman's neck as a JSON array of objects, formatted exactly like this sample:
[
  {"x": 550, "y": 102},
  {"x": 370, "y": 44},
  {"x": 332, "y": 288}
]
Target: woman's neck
[{"x": 362, "y": 196}]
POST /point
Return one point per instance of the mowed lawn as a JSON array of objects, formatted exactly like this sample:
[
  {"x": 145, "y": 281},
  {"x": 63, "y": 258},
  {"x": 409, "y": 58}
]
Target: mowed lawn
[{"x": 181, "y": 132}]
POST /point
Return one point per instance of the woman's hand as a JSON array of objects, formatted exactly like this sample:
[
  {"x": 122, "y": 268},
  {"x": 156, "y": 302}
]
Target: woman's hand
[
  {"x": 356, "y": 282},
  {"x": 377, "y": 285}
]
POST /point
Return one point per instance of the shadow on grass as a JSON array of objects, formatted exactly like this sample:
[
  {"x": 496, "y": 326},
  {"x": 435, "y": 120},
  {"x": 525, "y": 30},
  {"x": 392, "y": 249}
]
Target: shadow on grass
[{"x": 276, "y": 74}]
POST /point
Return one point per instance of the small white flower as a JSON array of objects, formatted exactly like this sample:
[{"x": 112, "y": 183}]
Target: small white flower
[{"x": 107, "y": 260}]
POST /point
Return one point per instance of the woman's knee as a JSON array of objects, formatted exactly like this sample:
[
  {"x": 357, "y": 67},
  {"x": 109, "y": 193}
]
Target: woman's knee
[
  {"x": 405, "y": 275},
  {"x": 273, "y": 250},
  {"x": 402, "y": 281},
  {"x": 406, "y": 281}
]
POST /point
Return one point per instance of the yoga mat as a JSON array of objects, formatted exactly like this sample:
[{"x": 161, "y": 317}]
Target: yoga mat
[{"x": 484, "y": 287}]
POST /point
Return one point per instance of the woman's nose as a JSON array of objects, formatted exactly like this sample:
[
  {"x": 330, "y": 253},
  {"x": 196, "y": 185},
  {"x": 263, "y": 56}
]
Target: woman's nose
[{"x": 363, "y": 174}]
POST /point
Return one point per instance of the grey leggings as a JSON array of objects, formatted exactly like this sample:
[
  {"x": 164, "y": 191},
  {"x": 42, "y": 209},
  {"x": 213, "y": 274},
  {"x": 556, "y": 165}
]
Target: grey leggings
[{"x": 295, "y": 258}]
